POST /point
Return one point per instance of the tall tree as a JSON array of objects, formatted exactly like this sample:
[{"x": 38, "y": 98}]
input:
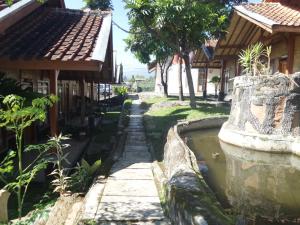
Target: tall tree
[
  {"x": 99, "y": 4},
  {"x": 182, "y": 25},
  {"x": 147, "y": 47},
  {"x": 180, "y": 88}
]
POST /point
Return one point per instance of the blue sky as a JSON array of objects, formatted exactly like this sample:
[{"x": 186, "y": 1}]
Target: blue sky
[{"x": 131, "y": 65}]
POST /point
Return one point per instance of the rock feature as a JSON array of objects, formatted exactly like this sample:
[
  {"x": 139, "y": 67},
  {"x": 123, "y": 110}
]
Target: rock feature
[
  {"x": 188, "y": 198},
  {"x": 265, "y": 113}
]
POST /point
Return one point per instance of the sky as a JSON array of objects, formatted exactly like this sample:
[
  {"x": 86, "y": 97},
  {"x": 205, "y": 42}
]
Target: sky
[{"x": 131, "y": 65}]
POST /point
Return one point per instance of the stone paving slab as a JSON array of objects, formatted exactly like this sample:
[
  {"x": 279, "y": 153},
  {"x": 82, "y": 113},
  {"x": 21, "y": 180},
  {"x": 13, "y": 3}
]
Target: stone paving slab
[
  {"x": 138, "y": 156},
  {"x": 140, "y": 188},
  {"x": 131, "y": 174},
  {"x": 119, "y": 211},
  {"x": 134, "y": 148},
  {"x": 131, "y": 165},
  {"x": 130, "y": 196},
  {"x": 136, "y": 223}
]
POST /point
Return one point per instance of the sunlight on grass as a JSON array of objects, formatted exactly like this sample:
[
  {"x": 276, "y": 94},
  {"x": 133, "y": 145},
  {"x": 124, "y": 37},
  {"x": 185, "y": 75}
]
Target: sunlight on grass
[{"x": 159, "y": 120}]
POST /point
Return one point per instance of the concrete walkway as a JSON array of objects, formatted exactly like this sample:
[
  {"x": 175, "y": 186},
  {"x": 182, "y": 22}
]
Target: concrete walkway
[{"x": 130, "y": 195}]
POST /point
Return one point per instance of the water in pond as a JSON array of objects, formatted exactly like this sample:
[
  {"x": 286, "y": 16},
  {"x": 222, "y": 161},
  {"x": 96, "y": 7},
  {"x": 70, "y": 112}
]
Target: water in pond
[{"x": 255, "y": 184}]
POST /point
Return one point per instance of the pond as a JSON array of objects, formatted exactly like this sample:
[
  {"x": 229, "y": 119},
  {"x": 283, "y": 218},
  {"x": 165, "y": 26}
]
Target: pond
[{"x": 259, "y": 186}]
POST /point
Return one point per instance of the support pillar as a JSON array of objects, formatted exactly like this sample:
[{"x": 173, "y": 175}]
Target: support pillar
[
  {"x": 98, "y": 91},
  {"x": 222, "y": 85},
  {"x": 105, "y": 91},
  {"x": 291, "y": 53},
  {"x": 205, "y": 82},
  {"x": 54, "y": 109},
  {"x": 82, "y": 97},
  {"x": 92, "y": 92}
]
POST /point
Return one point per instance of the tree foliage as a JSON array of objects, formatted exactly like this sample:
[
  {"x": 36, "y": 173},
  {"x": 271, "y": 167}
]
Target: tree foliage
[
  {"x": 180, "y": 26},
  {"x": 99, "y": 4}
]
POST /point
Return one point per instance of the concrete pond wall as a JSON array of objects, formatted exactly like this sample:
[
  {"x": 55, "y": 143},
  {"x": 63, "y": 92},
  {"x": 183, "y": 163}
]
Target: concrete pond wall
[
  {"x": 188, "y": 199},
  {"x": 265, "y": 113}
]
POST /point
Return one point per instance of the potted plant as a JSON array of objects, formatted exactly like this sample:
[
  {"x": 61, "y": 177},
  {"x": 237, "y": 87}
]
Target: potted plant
[{"x": 216, "y": 81}]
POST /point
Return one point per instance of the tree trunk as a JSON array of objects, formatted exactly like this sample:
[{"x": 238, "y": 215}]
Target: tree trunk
[
  {"x": 164, "y": 84},
  {"x": 186, "y": 59},
  {"x": 180, "y": 91}
]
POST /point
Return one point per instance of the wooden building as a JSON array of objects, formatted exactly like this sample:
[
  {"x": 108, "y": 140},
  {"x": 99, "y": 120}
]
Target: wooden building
[
  {"x": 274, "y": 23},
  {"x": 55, "y": 50}
]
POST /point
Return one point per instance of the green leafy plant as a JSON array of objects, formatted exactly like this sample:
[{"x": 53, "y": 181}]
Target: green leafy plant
[
  {"x": 252, "y": 59},
  {"x": 7, "y": 167},
  {"x": 16, "y": 117},
  {"x": 84, "y": 174},
  {"x": 216, "y": 81},
  {"x": 61, "y": 181},
  {"x": 121, "y": 91}
]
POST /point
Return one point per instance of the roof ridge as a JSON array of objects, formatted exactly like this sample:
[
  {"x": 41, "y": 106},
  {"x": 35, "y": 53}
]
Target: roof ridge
[{"x": 81, "y": 12}]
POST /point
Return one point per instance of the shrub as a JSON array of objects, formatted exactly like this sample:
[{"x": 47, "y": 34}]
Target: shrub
[{"x": 122, "y": 90}]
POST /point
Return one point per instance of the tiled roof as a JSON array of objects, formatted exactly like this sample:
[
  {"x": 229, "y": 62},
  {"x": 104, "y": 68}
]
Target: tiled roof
[
  {"x": 278, "y": 13},
  {"x": 53, "y": 34},
  {"x": 4, "y": 5}
]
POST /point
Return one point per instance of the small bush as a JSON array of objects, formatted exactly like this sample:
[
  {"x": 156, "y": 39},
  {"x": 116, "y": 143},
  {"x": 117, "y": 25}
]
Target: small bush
[{"x": 122, "y": 90}]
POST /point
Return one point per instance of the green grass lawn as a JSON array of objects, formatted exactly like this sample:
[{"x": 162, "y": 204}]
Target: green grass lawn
[{"x": 160, "y": 119}]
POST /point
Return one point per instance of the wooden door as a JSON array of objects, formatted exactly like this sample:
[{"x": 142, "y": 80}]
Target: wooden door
[{"x": 283, "y": 68}]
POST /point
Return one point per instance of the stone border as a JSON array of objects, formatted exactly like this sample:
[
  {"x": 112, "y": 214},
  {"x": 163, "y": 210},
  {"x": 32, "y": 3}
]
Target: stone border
[
  {"x": 260, "y": 142},
  {"x": 184, "y": 193}
]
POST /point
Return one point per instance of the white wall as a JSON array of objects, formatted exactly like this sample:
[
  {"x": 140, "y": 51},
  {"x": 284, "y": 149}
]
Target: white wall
[
  {"x": 210, "y": 86},
  {"x": 173, "y": 81}
]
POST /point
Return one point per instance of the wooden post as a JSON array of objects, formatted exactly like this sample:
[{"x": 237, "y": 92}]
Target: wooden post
[
  {"x": 92, "y": 91},
  {"x": 54, "y": 109},
  {"x": 98, "y": 91},
  {"x": 104, "y": 91},
  {"x": 222, "y": 87},
  {"x": 82, "y": 95},
  {"x": 291, "y": 53},
  {"x": 205, "y": 82}
]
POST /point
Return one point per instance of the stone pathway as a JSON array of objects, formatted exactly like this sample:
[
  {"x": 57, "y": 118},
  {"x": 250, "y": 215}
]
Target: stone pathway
[{"x": 130, "y": 195}]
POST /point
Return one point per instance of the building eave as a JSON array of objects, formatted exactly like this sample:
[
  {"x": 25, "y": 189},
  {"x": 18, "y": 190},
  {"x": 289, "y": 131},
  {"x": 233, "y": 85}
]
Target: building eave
[{"x": 99, "y": 52}]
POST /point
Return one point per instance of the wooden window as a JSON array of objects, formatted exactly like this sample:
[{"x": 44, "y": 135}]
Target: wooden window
[
  {"x": 43, "y": 87},
  {"x": 27, "y": 84}
]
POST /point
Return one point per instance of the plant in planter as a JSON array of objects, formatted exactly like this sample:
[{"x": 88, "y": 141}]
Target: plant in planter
[
  {"x": 216, "y": 81},
  {"x": 253, "y": 59},
  {"x": 16, "y": 116}
]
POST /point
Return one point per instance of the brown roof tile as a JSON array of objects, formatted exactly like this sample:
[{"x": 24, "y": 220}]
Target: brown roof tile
[
  {"x": 281, "y": 14},
  {"x": 52, "y": 34}
]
